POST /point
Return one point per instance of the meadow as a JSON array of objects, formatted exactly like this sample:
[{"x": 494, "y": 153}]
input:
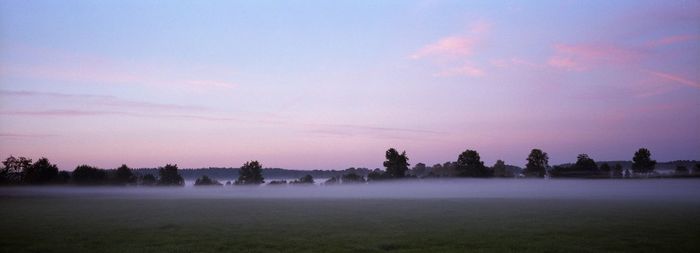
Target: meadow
[{"x": 35, "y": 221}]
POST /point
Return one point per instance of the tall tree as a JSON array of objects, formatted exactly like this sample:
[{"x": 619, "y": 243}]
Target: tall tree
[
  {"x": 13, "y": 167},
  {"x": 169, "y": 176},
  {"x": 41, "y": 172},
  {"x": 250, "y": 173},
  {"x": 537, "y": 163},
  {"x": 500, "y": 169},
  {"x": 396, "y": 164},
  {"x": 124, "y": 175},
  {"x": 469, "y": 164},
  {"x": 641, "y": 162}
]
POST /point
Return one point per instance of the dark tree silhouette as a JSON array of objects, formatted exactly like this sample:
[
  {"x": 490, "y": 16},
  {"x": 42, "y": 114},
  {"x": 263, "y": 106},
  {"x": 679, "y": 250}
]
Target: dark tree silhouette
[
  {"x": 124, "y": 176},
  {"x": 641, "y": 162},
  {"x": 250, "y": 173},
  {"x": 308, "y": 179},
  {"x": 169, "y": 176},
  {"x": 273, "y": 182},
  {"x": 206, "y": 181},
  {"x": 396, "y": 164},
  {"x": 13, "y": 167},
  {"x": 696, "y": 170},
  {"x": 352, "y": 178},
  {"x": 88, "y": 175},
  {"x": 617, "y": 171},
  {"x": 585, "y": 167},
  {"x": 537, "y": 163},
  {"x": 377, "y": 175},
  {"x": 419, "y": 169},
  {"x": 469, "y": 164},
  {"x": 605, "y": 168},
  {"x": 148, "y": 180},
  {"x": 585, "y": 163},
  {"x": 332, "y": 181},
  {"x": 41, "y": 172},
  {"x": 501, "y": 170},
  {"x": 63, "y": 177}
]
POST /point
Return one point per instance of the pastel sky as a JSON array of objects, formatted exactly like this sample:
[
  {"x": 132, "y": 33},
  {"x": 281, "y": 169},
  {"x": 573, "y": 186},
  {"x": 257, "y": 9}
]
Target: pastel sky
[{"x": 333, "y": 84}]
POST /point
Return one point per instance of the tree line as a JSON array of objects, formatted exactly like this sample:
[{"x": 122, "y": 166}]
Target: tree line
[{"x": 22, "y": 171}]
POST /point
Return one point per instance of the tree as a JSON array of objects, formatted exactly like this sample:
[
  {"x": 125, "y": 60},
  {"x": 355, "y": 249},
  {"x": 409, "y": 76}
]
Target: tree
[
  {"x": 169, "y": 176},
  {"x": 500, "y": 169},
  {"x": 377, "y": 175},
  {"x": 696, "y": 170},
  {"x": 396, "y": 164},
  {"x": 148, "y": 180},
  {"x": 352, "y": 178},
  {"x": 641, "y": 162},
  {"x": 419, "y": 169},
  {"x": 13, "y": 167},
  {"x": 308, "y": 179},
  {"x": 585, "y": 167},
  {"x": 41, "y": 172},
  {"x": 537, "y": 163},
  {"x": 250, "y": 173},
  {"x": 617, "y": 171},
  {"x": 605, "y": 167},
  {"x": 88, "y": 175},
  {"x": 206, "y": 181},
  {"x": 585, "y": 163},
  {"x": 63, "y": 177},
  {"x": 469, "y": 164},
  {"x": 124, "y": 176}
]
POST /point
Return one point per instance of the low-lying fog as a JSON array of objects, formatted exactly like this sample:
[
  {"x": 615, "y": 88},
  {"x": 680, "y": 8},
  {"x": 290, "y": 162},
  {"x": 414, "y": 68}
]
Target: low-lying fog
[{"x": 669, "y": 189}]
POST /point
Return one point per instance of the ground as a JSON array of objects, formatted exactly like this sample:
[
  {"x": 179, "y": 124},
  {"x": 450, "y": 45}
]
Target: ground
[{"x": 99, "y": 224}]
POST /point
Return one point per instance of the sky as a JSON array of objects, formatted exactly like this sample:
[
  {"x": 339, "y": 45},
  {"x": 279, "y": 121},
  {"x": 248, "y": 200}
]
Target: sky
[{"x": 334, "y": 84}]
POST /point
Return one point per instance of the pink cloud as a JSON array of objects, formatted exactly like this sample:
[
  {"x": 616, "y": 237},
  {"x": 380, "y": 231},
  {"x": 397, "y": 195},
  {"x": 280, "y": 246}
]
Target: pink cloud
[
  {"x": 585, "y": 56},
  {"x": 676, "y": 78},
  {"x": 673, "y": 40},
  {"x": 466, "y": 70},
  {"x": 455, "y": 51},
  {"x": 448, "y": 46}
]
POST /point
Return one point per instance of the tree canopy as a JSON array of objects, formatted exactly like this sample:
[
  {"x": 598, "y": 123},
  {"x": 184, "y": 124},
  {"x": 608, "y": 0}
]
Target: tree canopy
[
  {"x": 169, "y": 176},
  {"x": 537, "y": 164},
  {"x": 642, "y": 162},
  {"x": 88, "y": 175},
  {"x": 124, "y": 176},
  {"x": 250, "y": 173},
  {"x": 396, "y": 164},
  {"x": 469, "y": 164}
]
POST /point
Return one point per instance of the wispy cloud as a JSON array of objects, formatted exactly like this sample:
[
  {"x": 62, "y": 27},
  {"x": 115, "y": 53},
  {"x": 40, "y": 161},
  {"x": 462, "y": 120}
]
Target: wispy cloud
[
  {"x": 676, "y": 79},
  {"x": 456, "y": 51},
  {"x": 466, "y": 70},
  {"x": 99, "y": 70},
  {"x": 21, "y": 135},
  {"x": 103, "y": 100},
  {"x": 579, "y": 57},
  {"x": 669, "y": 40}
]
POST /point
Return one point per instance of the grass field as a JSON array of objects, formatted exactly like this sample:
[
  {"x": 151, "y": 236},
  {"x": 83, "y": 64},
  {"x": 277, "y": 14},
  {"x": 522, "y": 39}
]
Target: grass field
[{"x": 97, "y": 224}]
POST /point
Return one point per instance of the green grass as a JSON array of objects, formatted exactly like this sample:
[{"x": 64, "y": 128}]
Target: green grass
[{"x": 88, "y": 224}]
